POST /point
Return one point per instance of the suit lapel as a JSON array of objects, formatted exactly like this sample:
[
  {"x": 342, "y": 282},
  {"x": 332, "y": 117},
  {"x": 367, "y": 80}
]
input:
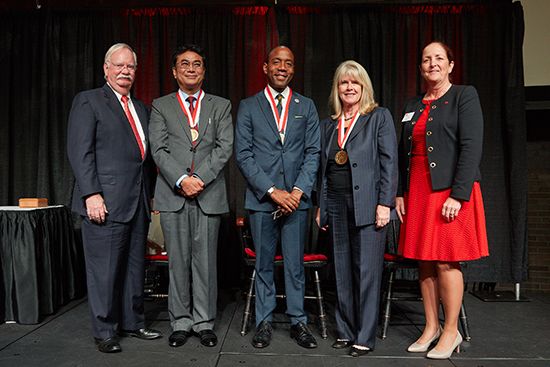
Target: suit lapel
[
  {"x": 206, "y": 111},
  {"x": 292, "y": 111},
  {"x": 180, "y": 117},
  {"x": 142, "y": 114},
  {"x": 268, "y": 114},
  {"x": 360, "y": 125},
  {"x": 330, "y": 133},
  {"x": 117, "y": 109},
  {"x": 115, "y": 106}
]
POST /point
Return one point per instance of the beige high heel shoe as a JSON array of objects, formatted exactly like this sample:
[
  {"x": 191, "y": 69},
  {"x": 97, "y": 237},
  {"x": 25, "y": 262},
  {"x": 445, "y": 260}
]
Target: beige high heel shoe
[
  {"x": 423, "y": 347},
  {"x": 434, "y": 354}
]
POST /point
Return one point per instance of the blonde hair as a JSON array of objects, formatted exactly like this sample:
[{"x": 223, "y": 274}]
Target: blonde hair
[{"x": 354, "y": 70}]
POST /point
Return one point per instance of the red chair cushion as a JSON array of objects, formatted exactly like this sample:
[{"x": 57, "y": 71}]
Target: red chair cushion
[
  {"x": 392, "y": 257},
  {"x": 307, "y": 257},
  {"x": 156, "y": 257}
]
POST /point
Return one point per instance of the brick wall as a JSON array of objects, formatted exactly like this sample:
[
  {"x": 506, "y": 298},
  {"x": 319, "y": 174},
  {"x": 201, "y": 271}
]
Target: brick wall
[{"x": 538, "y": 217}]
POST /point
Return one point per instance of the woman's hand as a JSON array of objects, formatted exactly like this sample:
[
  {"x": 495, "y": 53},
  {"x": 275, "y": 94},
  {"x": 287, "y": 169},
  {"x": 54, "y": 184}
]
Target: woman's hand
[
  {"x": 382, "y": 215},
  {"x": 318, "y": 220},
  {"x": 400, "y": 207},
  {"x": 450, "y": 209}
]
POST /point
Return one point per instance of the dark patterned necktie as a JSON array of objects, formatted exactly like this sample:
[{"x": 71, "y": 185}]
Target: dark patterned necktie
[{"x": 279, "y": 99}]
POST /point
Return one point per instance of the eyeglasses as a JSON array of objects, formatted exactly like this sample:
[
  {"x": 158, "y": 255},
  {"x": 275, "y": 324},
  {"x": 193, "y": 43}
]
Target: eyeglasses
[
  {"x": 119, "y": 67},
  {"x": 186, "y": 65}
]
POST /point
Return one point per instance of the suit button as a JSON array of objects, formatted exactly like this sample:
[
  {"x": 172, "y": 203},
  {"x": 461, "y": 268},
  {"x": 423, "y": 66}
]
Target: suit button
[
  {"x": 433, "y": 164},
  {"x": 188, "y": 170},
  {"x": 430, "y": 149},
  {"x": 281, "y": 173},
  {"x": 428, "y": 133},
  {"x": 410, "y": 137},
  {"x": 430, "y": 118},
  {"x": 354, "y": 165},
  {"x": 356, "y": 187},
  {"x": 434, "y": 107},
  {"x": 409, "y": 154}
]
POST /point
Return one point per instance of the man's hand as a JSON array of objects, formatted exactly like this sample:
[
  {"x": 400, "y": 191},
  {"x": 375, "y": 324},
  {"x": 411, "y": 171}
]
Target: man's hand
[
  {"x": 191, "y": 187},
  {"x": 286, "y": 201},
  {"x": 95, "y": 208}
]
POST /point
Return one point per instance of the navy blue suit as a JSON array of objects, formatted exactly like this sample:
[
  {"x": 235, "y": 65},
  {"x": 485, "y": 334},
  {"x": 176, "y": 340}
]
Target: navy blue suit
[
  {"x": 106, "y": 159},
  {"x": 266, "y": 162},
  {"x": 351, "y": 215}
]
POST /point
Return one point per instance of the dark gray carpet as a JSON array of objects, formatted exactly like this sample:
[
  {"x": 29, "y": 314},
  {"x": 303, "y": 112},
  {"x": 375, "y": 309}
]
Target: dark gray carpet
[{"x": 504, "y": 334}]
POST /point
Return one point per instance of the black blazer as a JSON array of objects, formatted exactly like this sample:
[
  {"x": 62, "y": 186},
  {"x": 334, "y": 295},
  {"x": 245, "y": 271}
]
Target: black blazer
[
  {"x": 372, "y": 151},
  {"x": 454, "y": 140},
  {"x": 104, "y": 154}
]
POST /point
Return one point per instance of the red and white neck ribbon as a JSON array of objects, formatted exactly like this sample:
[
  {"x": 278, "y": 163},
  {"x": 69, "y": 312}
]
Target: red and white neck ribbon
[
  {"x": 193, "y": 119},
  {"x": 343, "y": 136},
  {"x": 280, "y": 120}
]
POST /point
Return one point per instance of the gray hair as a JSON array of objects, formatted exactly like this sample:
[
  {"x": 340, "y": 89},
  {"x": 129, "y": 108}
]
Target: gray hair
[{"x": 117, "y": 46}]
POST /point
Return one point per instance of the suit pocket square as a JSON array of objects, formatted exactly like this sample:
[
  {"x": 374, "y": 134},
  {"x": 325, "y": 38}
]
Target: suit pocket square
[{"x": 298, "y": 117}]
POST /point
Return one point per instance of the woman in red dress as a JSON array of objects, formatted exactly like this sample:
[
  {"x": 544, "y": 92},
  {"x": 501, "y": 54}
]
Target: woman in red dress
[{"x": 439, "y": 199}]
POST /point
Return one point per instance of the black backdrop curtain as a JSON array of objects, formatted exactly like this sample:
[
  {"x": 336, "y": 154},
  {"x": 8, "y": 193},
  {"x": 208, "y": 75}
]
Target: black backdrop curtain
[{"x": 46, "y": 57}]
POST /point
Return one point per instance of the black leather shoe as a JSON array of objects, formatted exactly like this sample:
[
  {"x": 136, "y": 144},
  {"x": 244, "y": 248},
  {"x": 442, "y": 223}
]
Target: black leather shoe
[
  {"x": 178, "y": 338},
  {"x": 208, "y": 338},
  {"x": 357, "y": 352},
  {"x": 262, "y": 338},
  {"x": 302, "y": 335},
  {"x": 342, "y": 343},
  {"x": 146, "y": 334},
  {"x": 109, "y": 345}
]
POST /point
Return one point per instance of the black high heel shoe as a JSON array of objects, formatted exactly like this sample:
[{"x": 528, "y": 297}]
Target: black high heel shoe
[
  {"x": 342, "y": 343},
  {"x": 358, "y": 350}
]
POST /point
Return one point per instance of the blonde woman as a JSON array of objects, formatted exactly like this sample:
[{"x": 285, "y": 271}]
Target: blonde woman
[{"x": 357, "y": 184}]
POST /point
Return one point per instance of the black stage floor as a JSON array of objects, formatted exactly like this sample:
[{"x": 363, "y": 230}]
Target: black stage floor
[{"x": 504, "y": 334}]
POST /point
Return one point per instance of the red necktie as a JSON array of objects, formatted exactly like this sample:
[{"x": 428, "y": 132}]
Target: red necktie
[
  {"x": 133, "y": 125},
  {"x": 191, "y": 99}
]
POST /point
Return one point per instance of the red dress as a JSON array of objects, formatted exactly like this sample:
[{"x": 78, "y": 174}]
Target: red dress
[{"x": 425, "y": 234}]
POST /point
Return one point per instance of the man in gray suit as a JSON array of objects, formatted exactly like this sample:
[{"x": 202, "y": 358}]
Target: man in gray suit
[
  {"x": 191, "y": 135},
  {"x": 277, "y": 150}
]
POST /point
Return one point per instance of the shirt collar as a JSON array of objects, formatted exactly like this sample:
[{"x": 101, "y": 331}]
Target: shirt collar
[
  {"x": 274, "y": 93},
  {"x": 118, "y": 95},
  {"x": 184, "y": 95}
]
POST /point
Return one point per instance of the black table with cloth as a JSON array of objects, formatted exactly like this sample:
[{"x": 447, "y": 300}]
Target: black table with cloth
[{"x": 41, "y": 263}]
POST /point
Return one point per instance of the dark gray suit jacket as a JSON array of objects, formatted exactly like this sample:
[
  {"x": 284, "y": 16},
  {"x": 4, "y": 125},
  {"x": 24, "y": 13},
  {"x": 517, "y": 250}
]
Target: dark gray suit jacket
[
  {"x": 104, "y": 154},
  {"x": 265, "y": 161},
  {"x": 173, "y": 151},
  {"x": 372, "y": 151}
]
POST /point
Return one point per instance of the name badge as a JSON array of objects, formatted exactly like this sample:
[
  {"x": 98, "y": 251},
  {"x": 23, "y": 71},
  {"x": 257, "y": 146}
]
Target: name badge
[{"x": 408, "y": 117}]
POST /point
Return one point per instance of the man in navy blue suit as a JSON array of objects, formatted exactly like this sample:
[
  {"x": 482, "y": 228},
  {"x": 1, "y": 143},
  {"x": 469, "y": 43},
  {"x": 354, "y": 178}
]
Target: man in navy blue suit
[
  {"x": 277, "y": 150},
  {"x": 107, "y": 147}
]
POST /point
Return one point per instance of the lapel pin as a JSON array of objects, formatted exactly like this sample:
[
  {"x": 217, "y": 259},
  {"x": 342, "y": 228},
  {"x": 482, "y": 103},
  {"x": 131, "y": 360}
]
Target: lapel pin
[{"x": 296, "y": 100}]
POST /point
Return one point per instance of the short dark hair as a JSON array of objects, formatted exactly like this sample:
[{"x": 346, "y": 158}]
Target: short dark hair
[{"x": 188, "y": 47}]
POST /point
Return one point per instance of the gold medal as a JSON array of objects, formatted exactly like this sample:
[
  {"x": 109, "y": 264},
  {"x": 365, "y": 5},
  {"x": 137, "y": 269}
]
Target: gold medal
[
  {"x": 194, "y": 134},
  {"x": 341, "y": 157}
]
